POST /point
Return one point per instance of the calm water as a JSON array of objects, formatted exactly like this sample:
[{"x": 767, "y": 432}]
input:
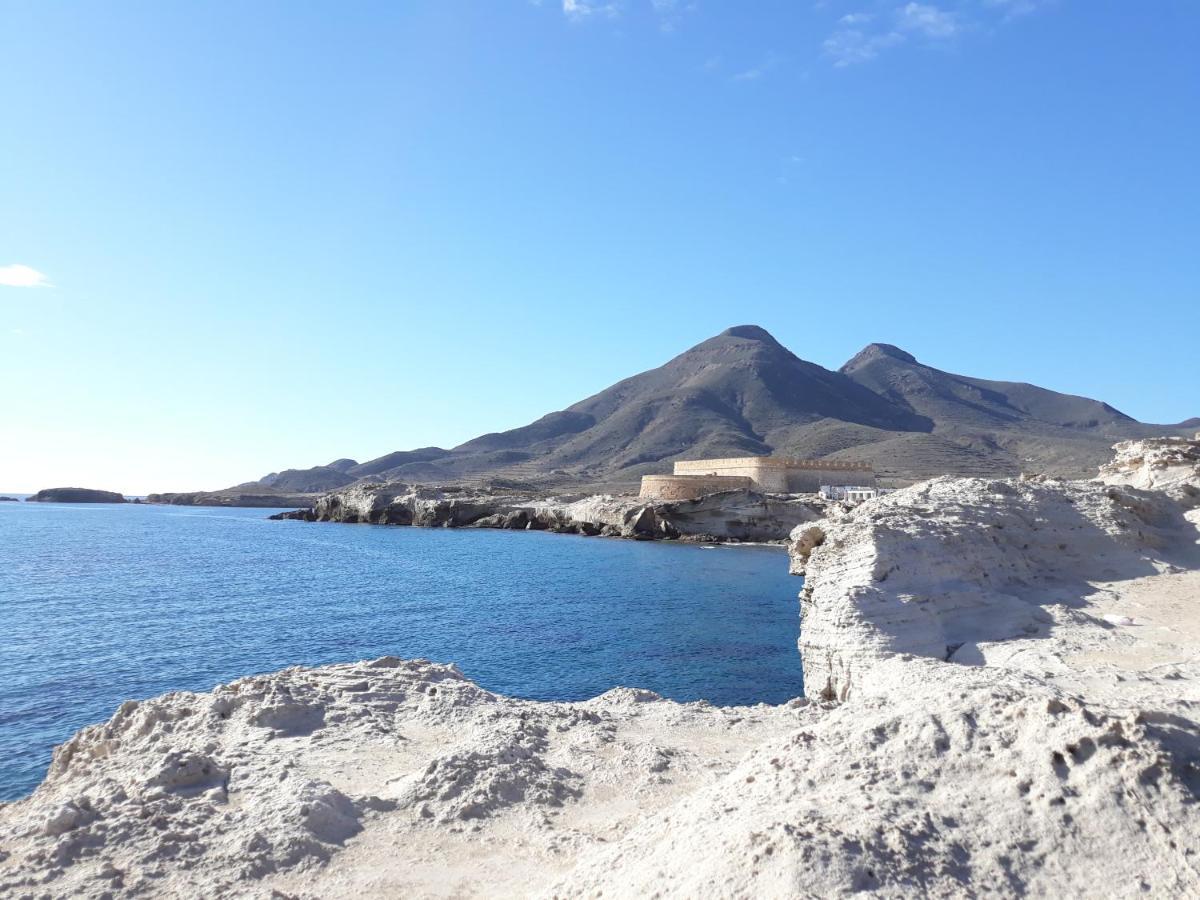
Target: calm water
[{"x": 103, "y": 603}]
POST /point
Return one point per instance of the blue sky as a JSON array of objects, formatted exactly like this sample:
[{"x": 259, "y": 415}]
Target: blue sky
[{"x": 236, "y": 237}]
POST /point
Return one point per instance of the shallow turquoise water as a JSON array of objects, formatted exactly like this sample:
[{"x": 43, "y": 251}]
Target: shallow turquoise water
[{"x": 99, "y": 604}]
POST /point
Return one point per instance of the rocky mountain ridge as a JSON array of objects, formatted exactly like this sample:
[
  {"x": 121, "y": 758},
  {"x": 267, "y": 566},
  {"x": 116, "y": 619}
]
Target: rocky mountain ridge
[{"x": 741, "y": 393}]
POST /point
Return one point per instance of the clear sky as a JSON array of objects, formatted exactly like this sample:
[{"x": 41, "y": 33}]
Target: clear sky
[{"x": 237, "y": 237}]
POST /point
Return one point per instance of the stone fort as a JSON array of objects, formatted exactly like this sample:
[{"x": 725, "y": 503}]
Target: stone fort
[{"x": 693, "y": 478}]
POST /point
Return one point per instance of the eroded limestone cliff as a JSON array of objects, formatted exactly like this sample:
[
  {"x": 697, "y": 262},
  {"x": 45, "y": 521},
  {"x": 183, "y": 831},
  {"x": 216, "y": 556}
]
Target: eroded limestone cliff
[
  {"x": 1171, "y": 465},
  {"x": 946, "y": 568}
]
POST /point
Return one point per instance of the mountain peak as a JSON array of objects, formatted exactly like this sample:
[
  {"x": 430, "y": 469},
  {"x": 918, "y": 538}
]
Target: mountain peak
[
  {"x": 750, "y": 333},
  {"x": 890, "y": 350},
  {"x": 872, "y": 352}
]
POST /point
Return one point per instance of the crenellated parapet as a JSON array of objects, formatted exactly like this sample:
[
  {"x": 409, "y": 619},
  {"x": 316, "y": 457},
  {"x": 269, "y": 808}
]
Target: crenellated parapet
[
  {"x": 694, "y": 478},
  {"x": 693, "y": 466}
]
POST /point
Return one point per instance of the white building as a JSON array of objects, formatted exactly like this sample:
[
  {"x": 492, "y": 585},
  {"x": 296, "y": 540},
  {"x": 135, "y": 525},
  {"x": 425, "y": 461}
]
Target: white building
[{"x": 849, "y": 493}]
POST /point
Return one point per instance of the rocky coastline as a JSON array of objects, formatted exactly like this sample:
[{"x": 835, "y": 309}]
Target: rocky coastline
[
  {"x": 1003, "y": 697},
  {"x": 231, "y": 498},
  {"x": 726, "y": 517}
]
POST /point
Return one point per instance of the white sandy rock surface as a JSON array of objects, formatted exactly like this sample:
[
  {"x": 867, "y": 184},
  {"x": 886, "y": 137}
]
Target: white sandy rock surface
[
  {"x": 1163, "y": 464},
  {"x": 986, "y": 730},
  {"x": 398, "y": 778},
  {"x": 956, "y": 569}
]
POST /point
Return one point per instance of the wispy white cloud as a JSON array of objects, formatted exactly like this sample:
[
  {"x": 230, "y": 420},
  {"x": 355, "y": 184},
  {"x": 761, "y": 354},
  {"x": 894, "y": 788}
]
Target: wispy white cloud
[
  {"x": 849, "y": 46},
  {"x": 671, "y": 13},
  {"x": 17, "y": 275},
  {"x": 758, "y": 71},
  {"x": 863, "y": 35},
  {"x": 926, "y": 19},
  {"x": 580, "y": 10},
  {"x": 1014, "y": 8},
  {"x": 790, "y": 164}
]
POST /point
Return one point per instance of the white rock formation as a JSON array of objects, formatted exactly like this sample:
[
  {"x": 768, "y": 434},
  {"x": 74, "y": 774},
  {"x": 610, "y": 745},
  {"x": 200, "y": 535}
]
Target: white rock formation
[
  {"x": 390, "y": 777},
  {"x": 958, "y": 783},
  {"x": 1158, "y": 464},
  {"x": 1018, "y": 665},
  {"x": 946, "y": 568}
]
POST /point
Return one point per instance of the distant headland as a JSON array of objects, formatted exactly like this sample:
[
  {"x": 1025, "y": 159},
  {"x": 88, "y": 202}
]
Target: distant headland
[{"x": 76, "y": 495}]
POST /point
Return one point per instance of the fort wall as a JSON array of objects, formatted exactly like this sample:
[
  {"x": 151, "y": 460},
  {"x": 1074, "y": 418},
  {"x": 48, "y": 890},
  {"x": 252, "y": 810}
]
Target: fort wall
[
  {"x": 781, "y": 474},
  {"x": 690, "y": 487}
]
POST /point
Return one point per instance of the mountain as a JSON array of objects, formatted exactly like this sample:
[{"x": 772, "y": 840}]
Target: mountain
[
  {"x": 987, "y": 427},
  {"x": 314, "y": 480},
  {"x": 957, "y": 400},
  {"x": 742, "y": 393}
]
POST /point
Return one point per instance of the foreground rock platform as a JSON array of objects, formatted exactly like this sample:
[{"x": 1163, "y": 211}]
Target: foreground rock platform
[{"x": 390, "y": 776}]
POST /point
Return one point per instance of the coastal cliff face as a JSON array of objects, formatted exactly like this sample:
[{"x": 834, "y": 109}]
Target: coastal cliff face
[
  {"x": 1171, "y": 465},
  {"x": 727, "y": 516},
  {"x": 1004, "y": 682},
  {"x": 947, "y": 567}
]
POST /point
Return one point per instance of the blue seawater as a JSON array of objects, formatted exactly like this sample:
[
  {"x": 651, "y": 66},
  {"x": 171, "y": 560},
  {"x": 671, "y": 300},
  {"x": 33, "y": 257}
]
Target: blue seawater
[{"x": 99, "y": 604}]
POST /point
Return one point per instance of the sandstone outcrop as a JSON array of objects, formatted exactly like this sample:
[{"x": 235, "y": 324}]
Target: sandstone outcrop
[
  {"x": 957, "y": 783},
  {"x": 946, "y": 568},
  {"x": 275, "y": 782},
  {"x": 726, "y": 516},
  {"x": 1161, "y": 464},
  {"x": 400, "y": 778},
  {"x": 75, "y": 495}
]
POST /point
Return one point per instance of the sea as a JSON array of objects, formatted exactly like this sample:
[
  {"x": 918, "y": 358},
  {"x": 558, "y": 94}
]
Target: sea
[{"x": 104, "y": 603}]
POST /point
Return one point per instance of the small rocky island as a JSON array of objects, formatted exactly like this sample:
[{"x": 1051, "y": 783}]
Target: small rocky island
[
  {"x": 9, "y": 500},
  {"x": 76, "y": 495}
]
